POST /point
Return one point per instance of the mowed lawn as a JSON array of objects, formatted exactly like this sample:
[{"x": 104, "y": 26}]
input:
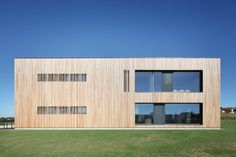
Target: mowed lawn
[{"x": 120, "y": 143}]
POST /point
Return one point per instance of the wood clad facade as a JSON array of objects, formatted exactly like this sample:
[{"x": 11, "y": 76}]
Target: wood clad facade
[{"x": 108, "y": 105}]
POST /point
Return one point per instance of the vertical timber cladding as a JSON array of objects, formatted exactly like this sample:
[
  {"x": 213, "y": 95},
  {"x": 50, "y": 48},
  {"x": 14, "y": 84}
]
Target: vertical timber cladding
[{"x": 108, "y": 94}]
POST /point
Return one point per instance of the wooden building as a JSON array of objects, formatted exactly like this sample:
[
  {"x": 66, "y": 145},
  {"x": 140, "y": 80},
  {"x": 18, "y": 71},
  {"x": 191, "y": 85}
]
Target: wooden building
[{"x": 117, "y": 93}]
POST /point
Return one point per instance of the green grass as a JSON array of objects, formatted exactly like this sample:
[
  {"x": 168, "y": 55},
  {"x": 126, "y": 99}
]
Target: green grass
[{"x": 120, "y": 143}]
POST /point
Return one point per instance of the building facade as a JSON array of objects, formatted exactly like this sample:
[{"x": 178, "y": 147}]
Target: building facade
[{"x": 117, "y": 93}]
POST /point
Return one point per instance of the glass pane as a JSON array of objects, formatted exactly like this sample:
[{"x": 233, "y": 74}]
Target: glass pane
[
  {"x": 166, "y": 82},
  {"x": 143, "y": 82},
  {"x": 183, "y": 113},
  {"x": 144, "y": 113},
  {"x": 157, "y": 81},
  {"x": 186, "y": 82},
  {"x": 159, "y": 114}
]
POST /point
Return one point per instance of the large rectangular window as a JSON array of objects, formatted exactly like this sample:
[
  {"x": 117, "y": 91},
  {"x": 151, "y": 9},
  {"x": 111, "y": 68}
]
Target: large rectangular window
[
  {"x": 168, "y": 81},
  {"x": 179, "y": 113}
]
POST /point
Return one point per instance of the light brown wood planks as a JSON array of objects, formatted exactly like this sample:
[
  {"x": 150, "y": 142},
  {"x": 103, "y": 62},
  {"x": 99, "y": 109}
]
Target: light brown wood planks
[{"x": 108, "y": 106}]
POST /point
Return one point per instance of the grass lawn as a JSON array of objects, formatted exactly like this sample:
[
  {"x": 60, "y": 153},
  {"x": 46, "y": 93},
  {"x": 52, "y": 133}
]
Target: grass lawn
[{"x": 120, "y": 143}]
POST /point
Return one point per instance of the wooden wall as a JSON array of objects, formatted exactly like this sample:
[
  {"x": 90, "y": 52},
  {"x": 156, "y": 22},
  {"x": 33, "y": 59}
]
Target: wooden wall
[{"x": 108, "y": 106}]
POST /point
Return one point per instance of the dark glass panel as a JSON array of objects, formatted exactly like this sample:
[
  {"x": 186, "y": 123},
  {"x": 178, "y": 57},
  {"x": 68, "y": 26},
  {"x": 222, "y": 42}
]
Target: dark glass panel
[
  {"x": 166, "y": 82},
  {"x": 183, "y": 113},
  {"x": 144, "y": 113},
  {"x": 143, "y": 82},
  {"x": 157, "y": 81},
  {"x": 159, "y": 114},
  {"x": 186, "y": 82}
]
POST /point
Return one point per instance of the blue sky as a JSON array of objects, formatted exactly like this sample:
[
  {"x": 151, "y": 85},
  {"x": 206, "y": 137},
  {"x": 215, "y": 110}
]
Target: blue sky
[{"x": 135, "y": 28}]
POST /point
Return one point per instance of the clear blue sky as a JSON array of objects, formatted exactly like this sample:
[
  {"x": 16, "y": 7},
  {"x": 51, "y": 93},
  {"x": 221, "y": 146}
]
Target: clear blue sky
[{"x": 138, "y": 28}]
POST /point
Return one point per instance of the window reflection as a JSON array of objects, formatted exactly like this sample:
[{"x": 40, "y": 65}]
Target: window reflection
[
  {"x": 143, "y": 81},
  {"x": 182, "y": 113},
  {"x": 144, "y": 113},
  {"x": 168, "y": 114},
  {"x": 186, "y": 82},
  {"x": 166, "y": 82}
]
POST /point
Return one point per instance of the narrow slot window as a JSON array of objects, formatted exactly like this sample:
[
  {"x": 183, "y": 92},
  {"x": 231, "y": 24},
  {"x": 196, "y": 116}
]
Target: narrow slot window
[
  {"x": 83, "y": 110},
  {"x": 84, "y": 77},
  {"x": 60, "y": 110},
  {"x": 72, "y": 77},
  {"x": 55, "y": 77},
  {"x": 44, "y": 110},
  {"x": 39, "y": 110},
  {"x": 55, "y": 110},
  {"x": 39, "y": 77},
  {"x": 60, "y": 77},
  {"x": 76, "y": 77},
  {"x": 76, "y": 110},
  {"x": 72, "y": 110},
  {"x": 66, "y": 111},
  {"x": 126, "y": 80},
  {"x": 50, "y": 77},
  {"x": 64, "y": 77},
  {"x": 50, "y": 110},
  {"x": 79, "y": 77},
  {"x": 44, "y": 77}
]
